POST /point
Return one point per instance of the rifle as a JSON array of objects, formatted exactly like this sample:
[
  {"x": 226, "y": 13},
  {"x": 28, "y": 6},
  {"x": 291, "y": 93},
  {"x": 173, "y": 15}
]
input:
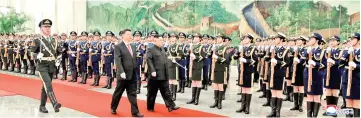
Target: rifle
[
  {"x": 101, "y": 60},
  {"x": 349, "y": 82},
  {"x": 309, "y": 71},
  {"x": 266, "y": 65},
  {"x": 241, "y": 67},
  {"x": 294, "y": 67},
  {"x": 328, "y": 69},
  {"x": 191, "y": 60},
  {"x": 26, "y": 51},
  {"x": 90, "y": 55},
  {"x": 213, "y": 65},
  {"x": 77, "y": 57},
  {"x": 272, "y": 67}
]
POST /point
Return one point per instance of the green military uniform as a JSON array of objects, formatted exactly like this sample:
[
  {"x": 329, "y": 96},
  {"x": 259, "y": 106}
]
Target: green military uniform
[
  {"x": 220, "y": 70},
  {"x": 197, "y": 62},
  {"x": 46, "y": 46},
  {"x": 172, "y": 55}
]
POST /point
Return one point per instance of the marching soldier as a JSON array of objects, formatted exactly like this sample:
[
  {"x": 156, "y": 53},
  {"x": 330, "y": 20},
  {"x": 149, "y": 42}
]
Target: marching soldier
[
  {"x": 72, "y": 52},
  {"x": 247, "y": 56},
  {"x": 312, "y": 75},
  {"x": 182, "y": 62},
  {"x": 173, "y": 70},
  {"x": 207, "y": 60},
  {"x": 46, "y": 54},
  {"x": 333, "y": 76},
  {"x": 351, "y": 75},
  {"x": 84, "y": 56},
  {"x": 197, "y": 56},
  {"x": 279, "y": 61},
  {"x": 108, "y": 60},
  {"x": 95, "y": 57},
  {"x": 297, "y": 73},
  {"x": 219, "y": 71},
  {"x": 140, "y": 53}
]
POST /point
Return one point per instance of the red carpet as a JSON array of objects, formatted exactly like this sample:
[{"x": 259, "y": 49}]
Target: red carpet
[{"x": 91, "y": 102}]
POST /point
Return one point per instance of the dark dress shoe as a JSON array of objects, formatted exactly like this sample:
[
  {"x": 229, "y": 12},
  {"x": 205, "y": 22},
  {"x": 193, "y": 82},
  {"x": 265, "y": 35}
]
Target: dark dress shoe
[
  {"x": 113, "y": 111},
  {"x": 150, "y": 110},
  {"x": 57, "y": 107},
  {"x": 170, "y": 109},
  {"x": 138, "y": 115},
  {"x": 43, "y": 109}
]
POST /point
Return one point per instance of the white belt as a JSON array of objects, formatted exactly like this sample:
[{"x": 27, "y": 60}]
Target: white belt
[{"x": 48, "y": 58}]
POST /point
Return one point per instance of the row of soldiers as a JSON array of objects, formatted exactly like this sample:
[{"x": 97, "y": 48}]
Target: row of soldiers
[{"x": 197, "y": 61}]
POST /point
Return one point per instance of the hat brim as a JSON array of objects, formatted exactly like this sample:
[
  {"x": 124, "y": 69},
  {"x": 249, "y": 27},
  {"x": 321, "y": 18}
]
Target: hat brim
[{"x": 45, "y": 25}]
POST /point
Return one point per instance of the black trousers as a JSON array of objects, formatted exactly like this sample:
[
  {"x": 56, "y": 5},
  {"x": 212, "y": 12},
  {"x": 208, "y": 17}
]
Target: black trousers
[
  {"x": 163, "y": 86},
  {"x": 131, "y": 87},
  {"x": 47, "y": 89}
]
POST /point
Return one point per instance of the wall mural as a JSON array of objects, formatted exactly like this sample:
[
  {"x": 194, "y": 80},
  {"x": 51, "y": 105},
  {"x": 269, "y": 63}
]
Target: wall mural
[{"x": 263, "y": 18}]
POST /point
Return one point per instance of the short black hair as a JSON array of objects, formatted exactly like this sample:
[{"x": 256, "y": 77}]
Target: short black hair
[{"x": 125, "y": 30}]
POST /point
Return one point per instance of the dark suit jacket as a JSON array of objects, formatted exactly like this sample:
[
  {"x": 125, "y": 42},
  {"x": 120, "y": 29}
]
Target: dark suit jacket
[
  {"x": 124, "y": 61},
  {"x": 157, "y": 62}
]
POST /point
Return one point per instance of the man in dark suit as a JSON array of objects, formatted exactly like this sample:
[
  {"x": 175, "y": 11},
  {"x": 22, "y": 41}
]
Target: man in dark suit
[
  {"x": 157, "y": 64},
  {"x": 125, "y": 61}
]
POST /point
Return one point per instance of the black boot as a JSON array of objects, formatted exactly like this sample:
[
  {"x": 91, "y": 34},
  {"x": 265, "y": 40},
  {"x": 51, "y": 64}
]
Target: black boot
[
  {"x": 83, "y": 77},
  {"x": 248, "y": 103},
  {"x": 316, "y": 109},
  {"x": 25, "y": 69},
  {"x": 98, "y": 79},
  {"x": 53, "y": 101},
  {"x": 260, "y": 87},
  {"x": 310, "y": 109},
  {"x": 74, "y": 77},
  {"x": 186, "y": 84},
  {"x": 287, "y": 94},
  {"x": 32, "y": 70},
  {"x": 198, "y": 92},
  {"x": 328, "y": 102},
  {"x": 189, "y": 83},
  {"x": 43, "y": 109},
  {"x": 278, "y": 107},
  {"x": 356, "y": 112},
  {"x": 291, "y": 94},
  {"x": 139, "y": 86},
  {"x": 95, "y": 80},
  {"x": 180, "y": 86},
  {"x": 224, "y": 91},
  {"x": 174, "y": 91},
  {"x": 268, "y": 97},
  {"x": 295, "y": 104},
  {"x": 349, "y": 115},
  {"x": 221, "y": 93},
  {"x": 273, "y": 108},
  {"x": 242, "y": 98},
  {"x": 263, "y": 88},
  {"x": 194, "y": 89},
  {"x": 64, "y": 75},
  {"x": 243, "y": 104},
  {"x": 183, "y": 86},
  {"x": 215, "y": 104},
  {"x": 108, "y": 83},
  {"x": 300, "y": 102}
]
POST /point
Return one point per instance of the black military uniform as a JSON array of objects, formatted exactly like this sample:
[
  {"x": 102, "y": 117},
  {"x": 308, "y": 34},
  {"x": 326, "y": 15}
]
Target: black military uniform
[
  {"x": 157, "y": 64},
  {"x": 63, "y": 49},
  {"x": 45, "y": 47}
]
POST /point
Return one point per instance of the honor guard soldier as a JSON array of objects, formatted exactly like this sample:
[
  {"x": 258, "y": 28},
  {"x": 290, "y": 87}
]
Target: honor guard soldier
[
  {"x": 11, "y": 51},
  {"x": 89, "y": 68},
  {"x": 108, "y": 59},
  {"x": 1, "y": 50},
  {"x": 56, "y": 38},
  {"x": 261, "y": 56},
  {"x": 158, "y": 68},
  {"x": 345, "y": 46},
  {"x": 207, "y": 60},
  {"x": 257, "y": 44},
  {"x": 63, "y": 49},
  {"x": 187, "y": 58},
  {"x": 279, "y": 62},
  {"x": 219, "y": 71},
  {"x": 333, "y": 76},
  {"x": 30, "y": 57},
  {"x": 140, "y": 53},
  {"x": 46, "y": 54},
  {"x": 313, "y": 75},
  {"x": 84, "y": 56},
  {"x": 173, "y": 70},
  {"x": 289, "y": 70},
  {"x": 351, "y": 75},
  {"x": 247, "y": 56},
  {"x": 72, "y": 52},
  {"x": 297, "y": 73},
  {"x": 20, "y": 55},
  {"x": 95, "y": 57},
  {"x": 229, "y": 53},
  {"x": 197, "y": 56},
  {"x": 182, "y": 62},
  {"x": 165, "y": 37}
]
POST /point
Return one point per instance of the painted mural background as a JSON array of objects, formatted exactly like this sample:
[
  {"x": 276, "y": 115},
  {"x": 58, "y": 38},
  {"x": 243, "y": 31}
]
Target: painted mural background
[{"x": 233, "y": 18}]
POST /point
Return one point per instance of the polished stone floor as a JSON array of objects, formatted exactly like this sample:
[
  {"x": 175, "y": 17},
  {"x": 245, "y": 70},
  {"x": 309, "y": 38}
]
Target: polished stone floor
[{"x": 17, "y": 105}]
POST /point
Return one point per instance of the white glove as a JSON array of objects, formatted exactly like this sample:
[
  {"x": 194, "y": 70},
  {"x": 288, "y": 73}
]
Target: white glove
[
  {"x": 103, "y": 51},
  {"x": 40, "y": 55},
  {"x": 6, "y": 45},
  {"x": 273, "y": 60},
  {"x": 214, "y": 56},
  {"x": 243, "y": 60},
  {"x": 295, "y": 48},
  {"x": 90, "y": 50},
  {"x": 330, "y": 61},
  {"x": 192, "y": 56},
  {"x": 77, "y": 49},
  {"x": 309, "y": 50},
  {"x": 296, "y": 60},
  {"x": 174, "y": 61},
  {"x": 26, "y": 47},
  {"x": 350, "y": 50},
  {"x": 272, "y": 47},
  {"x": 123, "y": 76},
  {"x": 154, "y": 74},
  {"x": 312, "y": 62},
  {"x": 328, "y": 49},
  {"x": 73, "y": 55},
  {"x": 352, "y": 64}
]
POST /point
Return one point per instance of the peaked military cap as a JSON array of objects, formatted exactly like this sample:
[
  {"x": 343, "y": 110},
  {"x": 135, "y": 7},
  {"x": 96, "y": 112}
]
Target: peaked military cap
[
  {"x": 137, "y": 33},
  {"x": 45, "y": 22}
]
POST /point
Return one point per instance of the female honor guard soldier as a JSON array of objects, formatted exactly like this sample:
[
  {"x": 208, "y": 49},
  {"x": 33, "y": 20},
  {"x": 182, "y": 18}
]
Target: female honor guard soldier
[
  {"x": 196, "y": 68},
  {"x": 219, "y": 71},
  {"x": 297, "y": 74},
  {"x": 247, "y": 56},
  {"x": 172, "y": 67},
  {"x": 289, "y": 71},
  {"x": 279, "y": 62},
  {"x": 351, "y": 78},
  {"x": 46, "y": 53},
  {"x": 333, "y": 76},
  {"x": 313, "y": 79}
]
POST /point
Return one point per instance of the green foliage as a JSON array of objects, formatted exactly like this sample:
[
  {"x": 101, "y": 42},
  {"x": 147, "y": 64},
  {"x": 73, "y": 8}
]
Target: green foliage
[
  {"x": 305, "y": 14},
  {"x": 348, "y": 30},
  {"x": 13, "y": 22}
]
